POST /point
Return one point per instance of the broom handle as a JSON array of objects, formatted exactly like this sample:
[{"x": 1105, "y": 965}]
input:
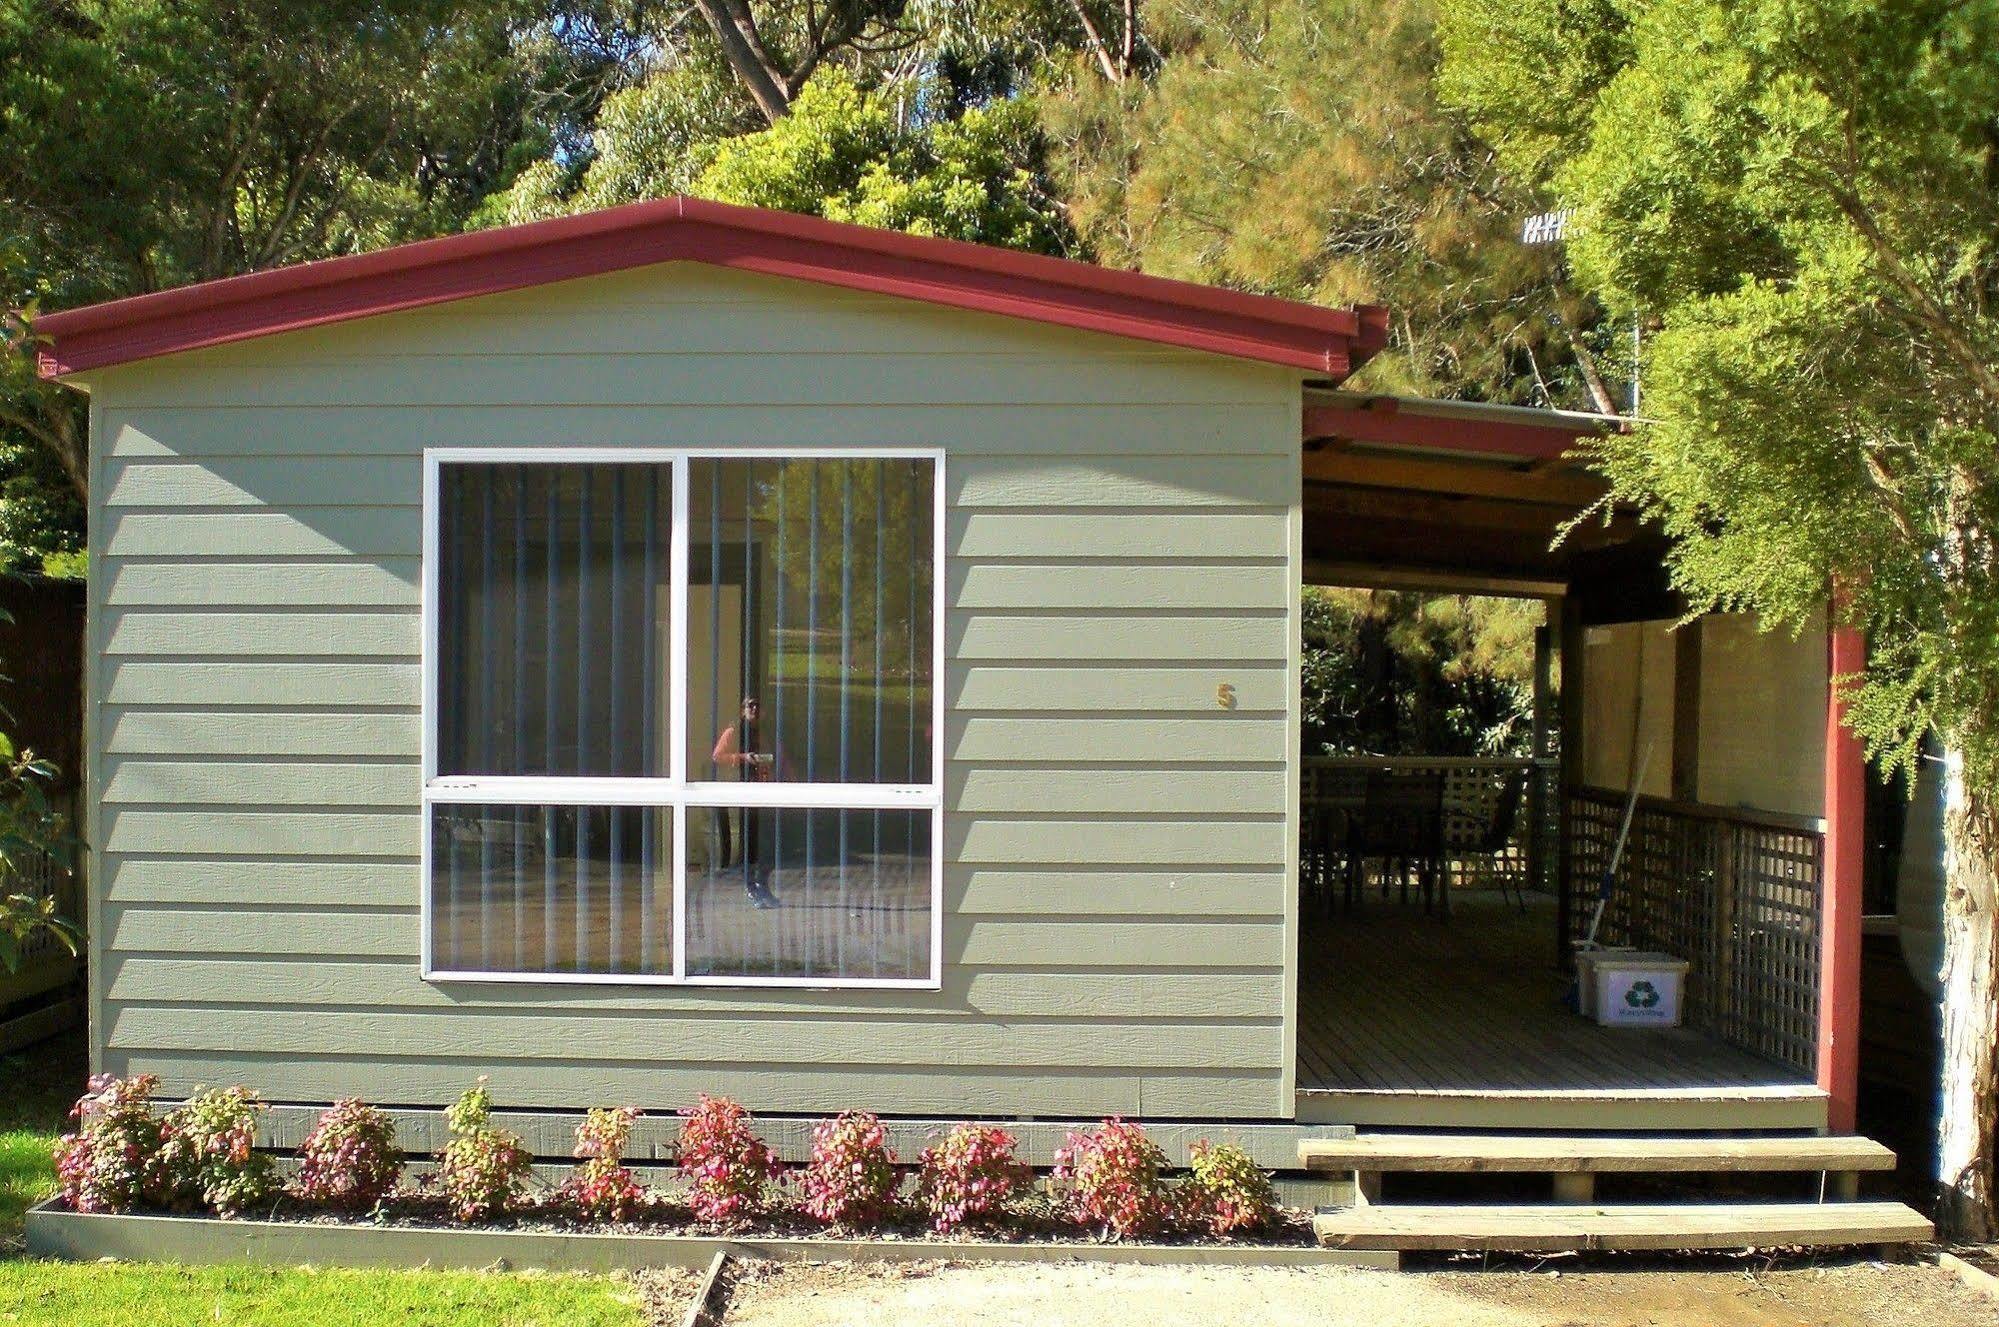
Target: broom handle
[{"x": 1609, "y": 880}]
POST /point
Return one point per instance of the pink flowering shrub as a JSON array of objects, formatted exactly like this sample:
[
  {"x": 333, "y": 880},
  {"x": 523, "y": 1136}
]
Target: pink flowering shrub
[
  {"x": 1112, "y": 1177},
  {"x": 851, "y": 1180},
  {"x": 730, "y": 1168},
  {"x": 111, "y": 1161},
  {"x": 603, "y": 1187},
  {"x": 208, "y": 1152},
  {"x": 1226, "y": 1192},
  {"x": 970, "y": 1176},
  {"x": 483, "y": 1169},
  {"x": 350, "y": 1161}
]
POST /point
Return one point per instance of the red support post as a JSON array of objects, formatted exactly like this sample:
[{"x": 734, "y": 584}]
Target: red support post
[{"x": 1845, "y": 858}]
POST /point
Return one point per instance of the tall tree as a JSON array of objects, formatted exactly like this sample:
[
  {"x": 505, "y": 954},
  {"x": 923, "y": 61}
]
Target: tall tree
[
  {"x": 1804, "y": 194},
  {"x": 1297, "y": 147},
  {"x": 147, "y": 143}
]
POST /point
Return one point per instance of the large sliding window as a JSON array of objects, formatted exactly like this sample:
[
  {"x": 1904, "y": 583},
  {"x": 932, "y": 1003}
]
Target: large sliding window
[{"x": 681, "y": 720}]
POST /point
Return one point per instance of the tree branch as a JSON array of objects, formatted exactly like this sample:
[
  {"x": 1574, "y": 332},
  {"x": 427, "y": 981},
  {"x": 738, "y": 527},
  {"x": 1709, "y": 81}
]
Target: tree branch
[
  {"x": 1096, "y": 42},
  {"x": 742, "y": 46},
  {"x": 60, "y": 437}
]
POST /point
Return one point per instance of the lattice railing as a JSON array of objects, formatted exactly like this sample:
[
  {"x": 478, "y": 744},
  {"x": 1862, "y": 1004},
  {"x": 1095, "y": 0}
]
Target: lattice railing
[
  {"x": 1738, "y": 894},
  {"x": 1472, "y": 788}
]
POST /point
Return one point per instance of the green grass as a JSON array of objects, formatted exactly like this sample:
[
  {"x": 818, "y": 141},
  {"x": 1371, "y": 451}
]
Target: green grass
[
  {"x": 50, "y": 1294},
  {"x": 36, "y": 1090}
]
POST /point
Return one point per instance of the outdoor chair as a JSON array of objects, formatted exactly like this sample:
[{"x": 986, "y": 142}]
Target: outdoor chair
[
  {"x": 1401, "y": 823},
  {"x": 1495, "y": 832}
]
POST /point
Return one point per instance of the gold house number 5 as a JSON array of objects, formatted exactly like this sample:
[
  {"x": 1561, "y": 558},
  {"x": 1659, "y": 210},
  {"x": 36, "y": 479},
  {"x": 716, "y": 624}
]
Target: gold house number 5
[{"x": 1225, "y": 695}]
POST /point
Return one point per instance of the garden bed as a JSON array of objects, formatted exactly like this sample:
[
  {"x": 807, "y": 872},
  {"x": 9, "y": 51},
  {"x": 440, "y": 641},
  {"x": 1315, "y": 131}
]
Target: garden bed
[{"x": 55, "y": 1231}]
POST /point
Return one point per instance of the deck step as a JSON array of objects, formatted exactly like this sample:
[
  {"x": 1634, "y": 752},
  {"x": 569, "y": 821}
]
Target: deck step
[
  {"x": 1655, "y": 1226},
  {"x": 1553, "y": 1154}
]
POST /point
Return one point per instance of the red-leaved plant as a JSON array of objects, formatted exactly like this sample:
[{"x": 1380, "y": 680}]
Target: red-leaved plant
[
  {"x": 350, "y": 1161},
  {"x": 851, "y": 1180},
  {"x": 483, "y": 1169},
  {"x": 729, "y": 1168},
  {"x": 208, "y": 1155},
  {"x": 603, "y": 1188},
  {"x": 1226, "y": 1192},
  {"x": 111, "y": 1161},
  {"x": 970, "y": 1176},
  {"x": 1112, "y": 1179}
]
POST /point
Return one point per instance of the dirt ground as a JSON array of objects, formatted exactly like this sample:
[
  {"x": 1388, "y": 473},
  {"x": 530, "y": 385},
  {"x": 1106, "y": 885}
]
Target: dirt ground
[{"x": 1746, "y": 1294}]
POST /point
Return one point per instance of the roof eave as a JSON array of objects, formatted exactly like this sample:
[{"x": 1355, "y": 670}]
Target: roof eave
[{"x": 974, "y": 277}]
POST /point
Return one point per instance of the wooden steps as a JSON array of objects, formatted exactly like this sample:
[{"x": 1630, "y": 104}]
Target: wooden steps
[
  {"x": 1575, "y": 1221},
  {"x": 1541, "y": 1228},
  {"x": 1532, "y": 1153}
]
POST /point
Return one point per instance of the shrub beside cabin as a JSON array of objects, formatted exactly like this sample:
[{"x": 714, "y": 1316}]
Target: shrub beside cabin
[{"x": 690, "y": 649}]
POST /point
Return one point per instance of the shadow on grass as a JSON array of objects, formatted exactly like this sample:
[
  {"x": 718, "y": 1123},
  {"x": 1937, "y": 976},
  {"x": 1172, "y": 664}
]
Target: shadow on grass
[{"x": 38, "y": 1085}]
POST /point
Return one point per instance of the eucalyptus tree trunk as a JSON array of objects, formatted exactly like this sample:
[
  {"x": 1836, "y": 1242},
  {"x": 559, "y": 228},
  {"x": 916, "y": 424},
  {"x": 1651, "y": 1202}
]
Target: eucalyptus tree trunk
[{"x": 1969, "y": 1121}]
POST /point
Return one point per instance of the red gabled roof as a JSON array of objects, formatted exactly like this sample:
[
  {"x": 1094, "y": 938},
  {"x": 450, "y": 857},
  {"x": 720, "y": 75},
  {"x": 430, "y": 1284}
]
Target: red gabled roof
[{"x": 1332, "y": 342}]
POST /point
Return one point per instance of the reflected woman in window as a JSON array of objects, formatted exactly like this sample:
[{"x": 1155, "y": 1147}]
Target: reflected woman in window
[{"x": 738, "y": 746}]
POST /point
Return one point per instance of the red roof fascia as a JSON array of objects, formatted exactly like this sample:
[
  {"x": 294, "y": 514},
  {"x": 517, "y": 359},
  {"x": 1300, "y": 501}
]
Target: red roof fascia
[
  {"x": 947, "y": 272},
  {"x": 1534, "y": 441}
]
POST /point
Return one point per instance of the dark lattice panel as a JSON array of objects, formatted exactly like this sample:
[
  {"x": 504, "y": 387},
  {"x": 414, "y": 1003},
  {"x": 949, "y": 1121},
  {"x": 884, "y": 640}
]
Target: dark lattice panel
[{"x": 1737, "y": 896}]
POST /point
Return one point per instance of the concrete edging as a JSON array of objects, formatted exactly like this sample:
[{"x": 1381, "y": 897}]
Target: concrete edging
[
  {"x": 1977, "y": 1278},
  {"x": 54, "y": 1232}
]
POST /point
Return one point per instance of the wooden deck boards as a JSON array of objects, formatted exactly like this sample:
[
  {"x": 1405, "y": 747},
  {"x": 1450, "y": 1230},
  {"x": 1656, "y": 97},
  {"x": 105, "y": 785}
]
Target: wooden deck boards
[{"x": 1390, "y": 1000}]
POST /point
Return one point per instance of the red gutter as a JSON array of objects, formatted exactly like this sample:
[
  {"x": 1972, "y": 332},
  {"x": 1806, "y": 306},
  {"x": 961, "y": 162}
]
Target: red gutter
[
  {"x": 947, "y": 272},
  {"x": 1535, "y": 441},
  {"x": 1845, "y": 857}
]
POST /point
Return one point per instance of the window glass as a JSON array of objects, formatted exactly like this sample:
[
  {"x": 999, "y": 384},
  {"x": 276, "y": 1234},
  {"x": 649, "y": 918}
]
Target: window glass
[
  {"x": 809, "y": 607},
  {"x": 808, "y": 587},
  {"x": 551, "y": 889},
  {"x": 553, "y": 619},
  {"x": 809, "y": 893}
]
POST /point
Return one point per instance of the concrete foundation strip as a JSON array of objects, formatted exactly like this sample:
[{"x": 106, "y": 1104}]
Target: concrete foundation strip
[{"x": 55, "y": 1232}]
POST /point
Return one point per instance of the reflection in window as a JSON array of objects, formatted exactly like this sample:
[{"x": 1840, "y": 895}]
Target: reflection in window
[
  {"x": 809, "y": 620},
  {"x": 806, "y": 588},
  {"x": 812, "y": 893},
  {"x": 551, "y": 889}
]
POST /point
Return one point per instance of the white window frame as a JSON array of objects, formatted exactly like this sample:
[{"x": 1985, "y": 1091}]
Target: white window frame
[{"x": 677, "y": 793}]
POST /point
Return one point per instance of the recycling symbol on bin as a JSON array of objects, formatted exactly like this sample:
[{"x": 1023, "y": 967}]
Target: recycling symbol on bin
[{"x": 1642, "y": 995}]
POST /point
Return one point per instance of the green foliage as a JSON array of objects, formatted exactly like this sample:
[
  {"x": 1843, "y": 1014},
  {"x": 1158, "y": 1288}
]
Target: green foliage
[
  {"x": 1112, "y": 1178},
  {"x": 1226, "y": 1192},
  {"x": 1802, "y": 195},
  {"x": 1388, "y": 673},
  {"x": 208, "y": 1155},
  {"x": 482, "y": 1170},
  {"x": 1298, "y": 148},
  {"x": 31, "y": 831},
  {"x": 970, "y": 1176},
  {"x": 851, "y": 1180},
  {"x": 110, "y": 1162},
  {"x": 843, "y": 153},
  {"x": 149, "y": 143},
  {"x": 603, "y": 1187},
  {"x": 350, "y": 1161}
]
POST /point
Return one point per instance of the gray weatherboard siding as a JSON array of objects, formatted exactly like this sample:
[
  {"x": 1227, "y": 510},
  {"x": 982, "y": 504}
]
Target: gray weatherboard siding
[{"x": 1122, "y": 539}]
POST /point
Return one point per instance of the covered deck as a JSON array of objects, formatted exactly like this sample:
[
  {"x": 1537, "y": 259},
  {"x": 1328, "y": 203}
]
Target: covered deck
[
  {"x": 1410, "y": 1018},
  {"x": 1463, "y": 1025}
]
